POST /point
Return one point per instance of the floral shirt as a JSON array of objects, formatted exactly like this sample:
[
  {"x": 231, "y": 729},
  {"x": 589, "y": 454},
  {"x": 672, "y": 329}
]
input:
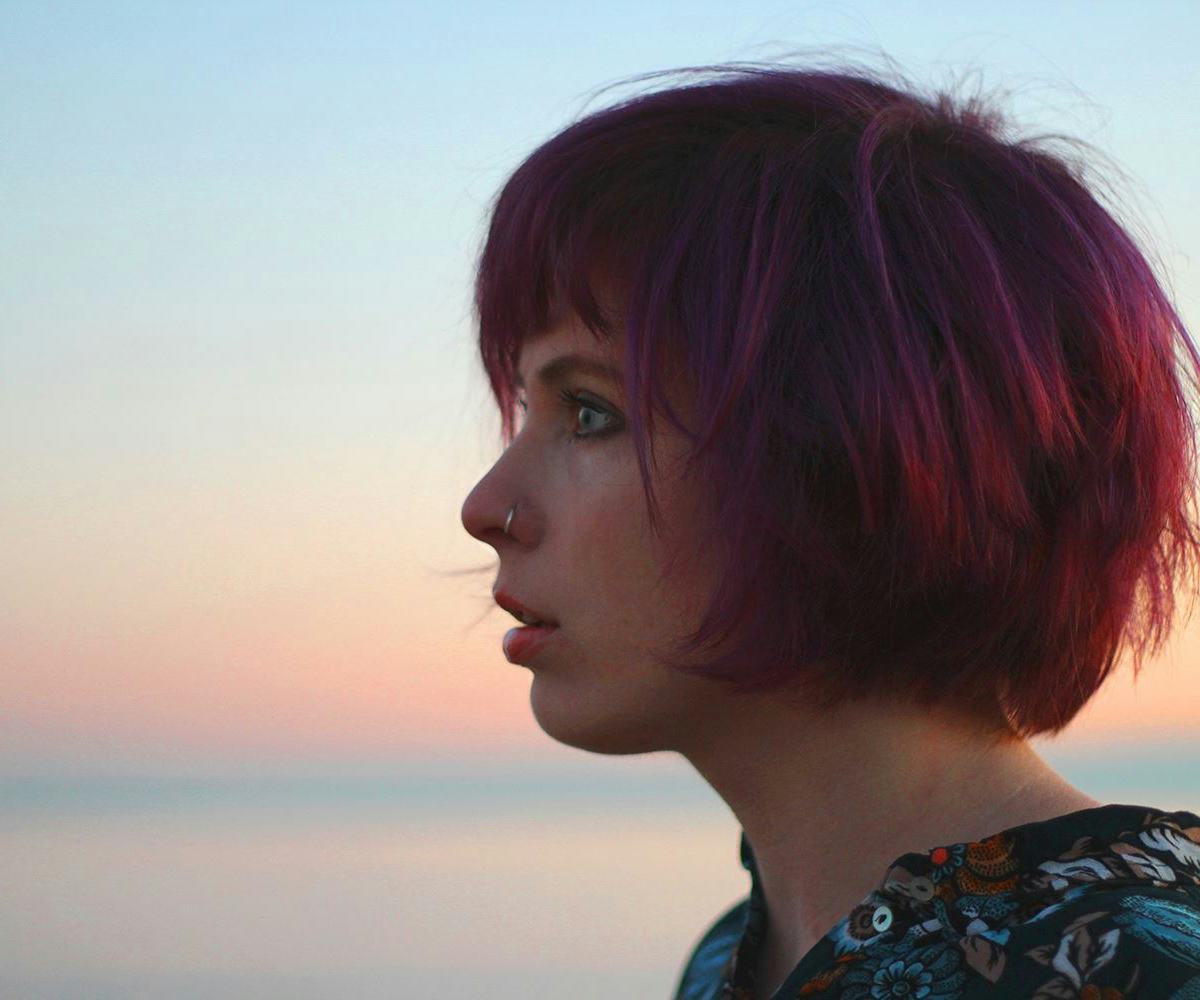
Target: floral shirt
[{"x": 1098, "y": 904}]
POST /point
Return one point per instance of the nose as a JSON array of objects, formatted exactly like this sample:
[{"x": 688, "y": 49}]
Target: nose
[{"x": 486, "y": 508}]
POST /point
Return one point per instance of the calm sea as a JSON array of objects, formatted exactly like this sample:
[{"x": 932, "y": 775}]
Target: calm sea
[{"x": 589, "y": 879}]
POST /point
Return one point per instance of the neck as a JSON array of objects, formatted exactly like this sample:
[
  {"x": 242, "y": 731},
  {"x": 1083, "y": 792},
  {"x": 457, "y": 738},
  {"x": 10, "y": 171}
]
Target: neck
[{"x": 828, "y": 802}]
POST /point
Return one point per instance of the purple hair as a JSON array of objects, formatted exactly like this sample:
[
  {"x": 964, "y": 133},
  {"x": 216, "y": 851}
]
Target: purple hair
[{"x": 940, "y": 425}]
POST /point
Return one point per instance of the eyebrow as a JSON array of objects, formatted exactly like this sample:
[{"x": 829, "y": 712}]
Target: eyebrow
[{"x": 554, "y": 371}]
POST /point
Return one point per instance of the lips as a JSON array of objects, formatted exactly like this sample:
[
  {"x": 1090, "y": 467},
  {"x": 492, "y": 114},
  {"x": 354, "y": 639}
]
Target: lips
[
  {"x": 522, "y": 612},
  {"x": 522, "y": 644}
]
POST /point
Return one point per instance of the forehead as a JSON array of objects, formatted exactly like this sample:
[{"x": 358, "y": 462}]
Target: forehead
[{"x": 568, "y": 347}]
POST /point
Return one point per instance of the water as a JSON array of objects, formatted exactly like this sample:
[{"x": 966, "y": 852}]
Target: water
[
  {"x": 589, "y": 880},
  {"x": 532, "y": 884}
]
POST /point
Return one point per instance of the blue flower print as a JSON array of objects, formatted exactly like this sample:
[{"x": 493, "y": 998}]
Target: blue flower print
[
  {"x": 901, "y": 980},
  {"x": 945, "y": 860},
  {"x": 897, "y": 971}
]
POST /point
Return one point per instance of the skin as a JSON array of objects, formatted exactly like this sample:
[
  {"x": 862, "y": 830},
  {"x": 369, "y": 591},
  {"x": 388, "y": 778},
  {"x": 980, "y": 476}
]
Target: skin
[{"x": 827, "y": 799}]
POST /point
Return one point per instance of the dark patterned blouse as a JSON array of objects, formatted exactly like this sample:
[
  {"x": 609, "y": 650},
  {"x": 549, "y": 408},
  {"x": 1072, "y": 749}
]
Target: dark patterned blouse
[{"x": 1098, "y": 904}]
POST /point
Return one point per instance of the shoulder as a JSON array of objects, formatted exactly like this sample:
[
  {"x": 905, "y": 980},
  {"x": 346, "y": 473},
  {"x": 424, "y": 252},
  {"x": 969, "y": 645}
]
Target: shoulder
[
  {"x": 1104, "y": 942},
  {"x": 703, "y": 970},
  {"x": 1111, "y": 942},
  {"x": 1152, "y": 933},
  {"x": 1099, "y": 904}
]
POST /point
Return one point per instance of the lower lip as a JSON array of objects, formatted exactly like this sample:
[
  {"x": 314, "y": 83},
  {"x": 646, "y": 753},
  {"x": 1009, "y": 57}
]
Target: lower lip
[{"x": 522, "y": 644}]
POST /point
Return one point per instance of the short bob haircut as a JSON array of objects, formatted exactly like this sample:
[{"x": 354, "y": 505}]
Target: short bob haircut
[{"x": 941, "y": 429}]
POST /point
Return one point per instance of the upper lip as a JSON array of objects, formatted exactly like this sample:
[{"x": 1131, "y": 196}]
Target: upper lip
[{"x": 521, "y": 612}]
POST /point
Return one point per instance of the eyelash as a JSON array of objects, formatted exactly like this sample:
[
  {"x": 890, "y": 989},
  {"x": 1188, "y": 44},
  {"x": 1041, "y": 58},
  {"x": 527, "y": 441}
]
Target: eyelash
[{"x": 574, "y": 402}]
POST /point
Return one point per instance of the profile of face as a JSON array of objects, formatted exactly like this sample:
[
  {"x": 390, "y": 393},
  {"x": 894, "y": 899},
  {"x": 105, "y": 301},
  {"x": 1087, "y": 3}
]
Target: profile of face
[{"x": 580, "y": 551}]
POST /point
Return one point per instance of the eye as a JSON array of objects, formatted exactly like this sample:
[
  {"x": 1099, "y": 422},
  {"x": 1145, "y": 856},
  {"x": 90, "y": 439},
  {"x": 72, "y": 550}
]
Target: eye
[
  {"x": 579, "y": 404},
  {"x": 576, "y": 404}
]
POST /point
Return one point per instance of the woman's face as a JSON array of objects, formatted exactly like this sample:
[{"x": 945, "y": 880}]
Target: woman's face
[{"x": 580, "y": 552}]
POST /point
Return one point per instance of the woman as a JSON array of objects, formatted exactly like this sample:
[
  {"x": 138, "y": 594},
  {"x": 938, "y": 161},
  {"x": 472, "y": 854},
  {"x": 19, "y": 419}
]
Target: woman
[{"x": 852, "y": 450}]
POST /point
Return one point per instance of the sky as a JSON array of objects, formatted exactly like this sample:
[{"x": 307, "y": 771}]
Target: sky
[{"x": 241, "y": 406}]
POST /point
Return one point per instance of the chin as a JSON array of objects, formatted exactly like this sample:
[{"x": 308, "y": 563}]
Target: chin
[{"x": 580, "y": 722}]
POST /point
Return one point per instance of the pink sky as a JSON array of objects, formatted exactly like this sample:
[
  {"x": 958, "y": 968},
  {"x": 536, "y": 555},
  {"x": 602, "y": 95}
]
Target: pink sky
[{"x": 256, "y": 643}]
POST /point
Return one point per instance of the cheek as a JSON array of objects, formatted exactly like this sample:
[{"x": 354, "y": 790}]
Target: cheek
[
  {"x": 615, "y": 562},
  {"x": 611, "y": 566},
  {"x": 609, "y": 524}
]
